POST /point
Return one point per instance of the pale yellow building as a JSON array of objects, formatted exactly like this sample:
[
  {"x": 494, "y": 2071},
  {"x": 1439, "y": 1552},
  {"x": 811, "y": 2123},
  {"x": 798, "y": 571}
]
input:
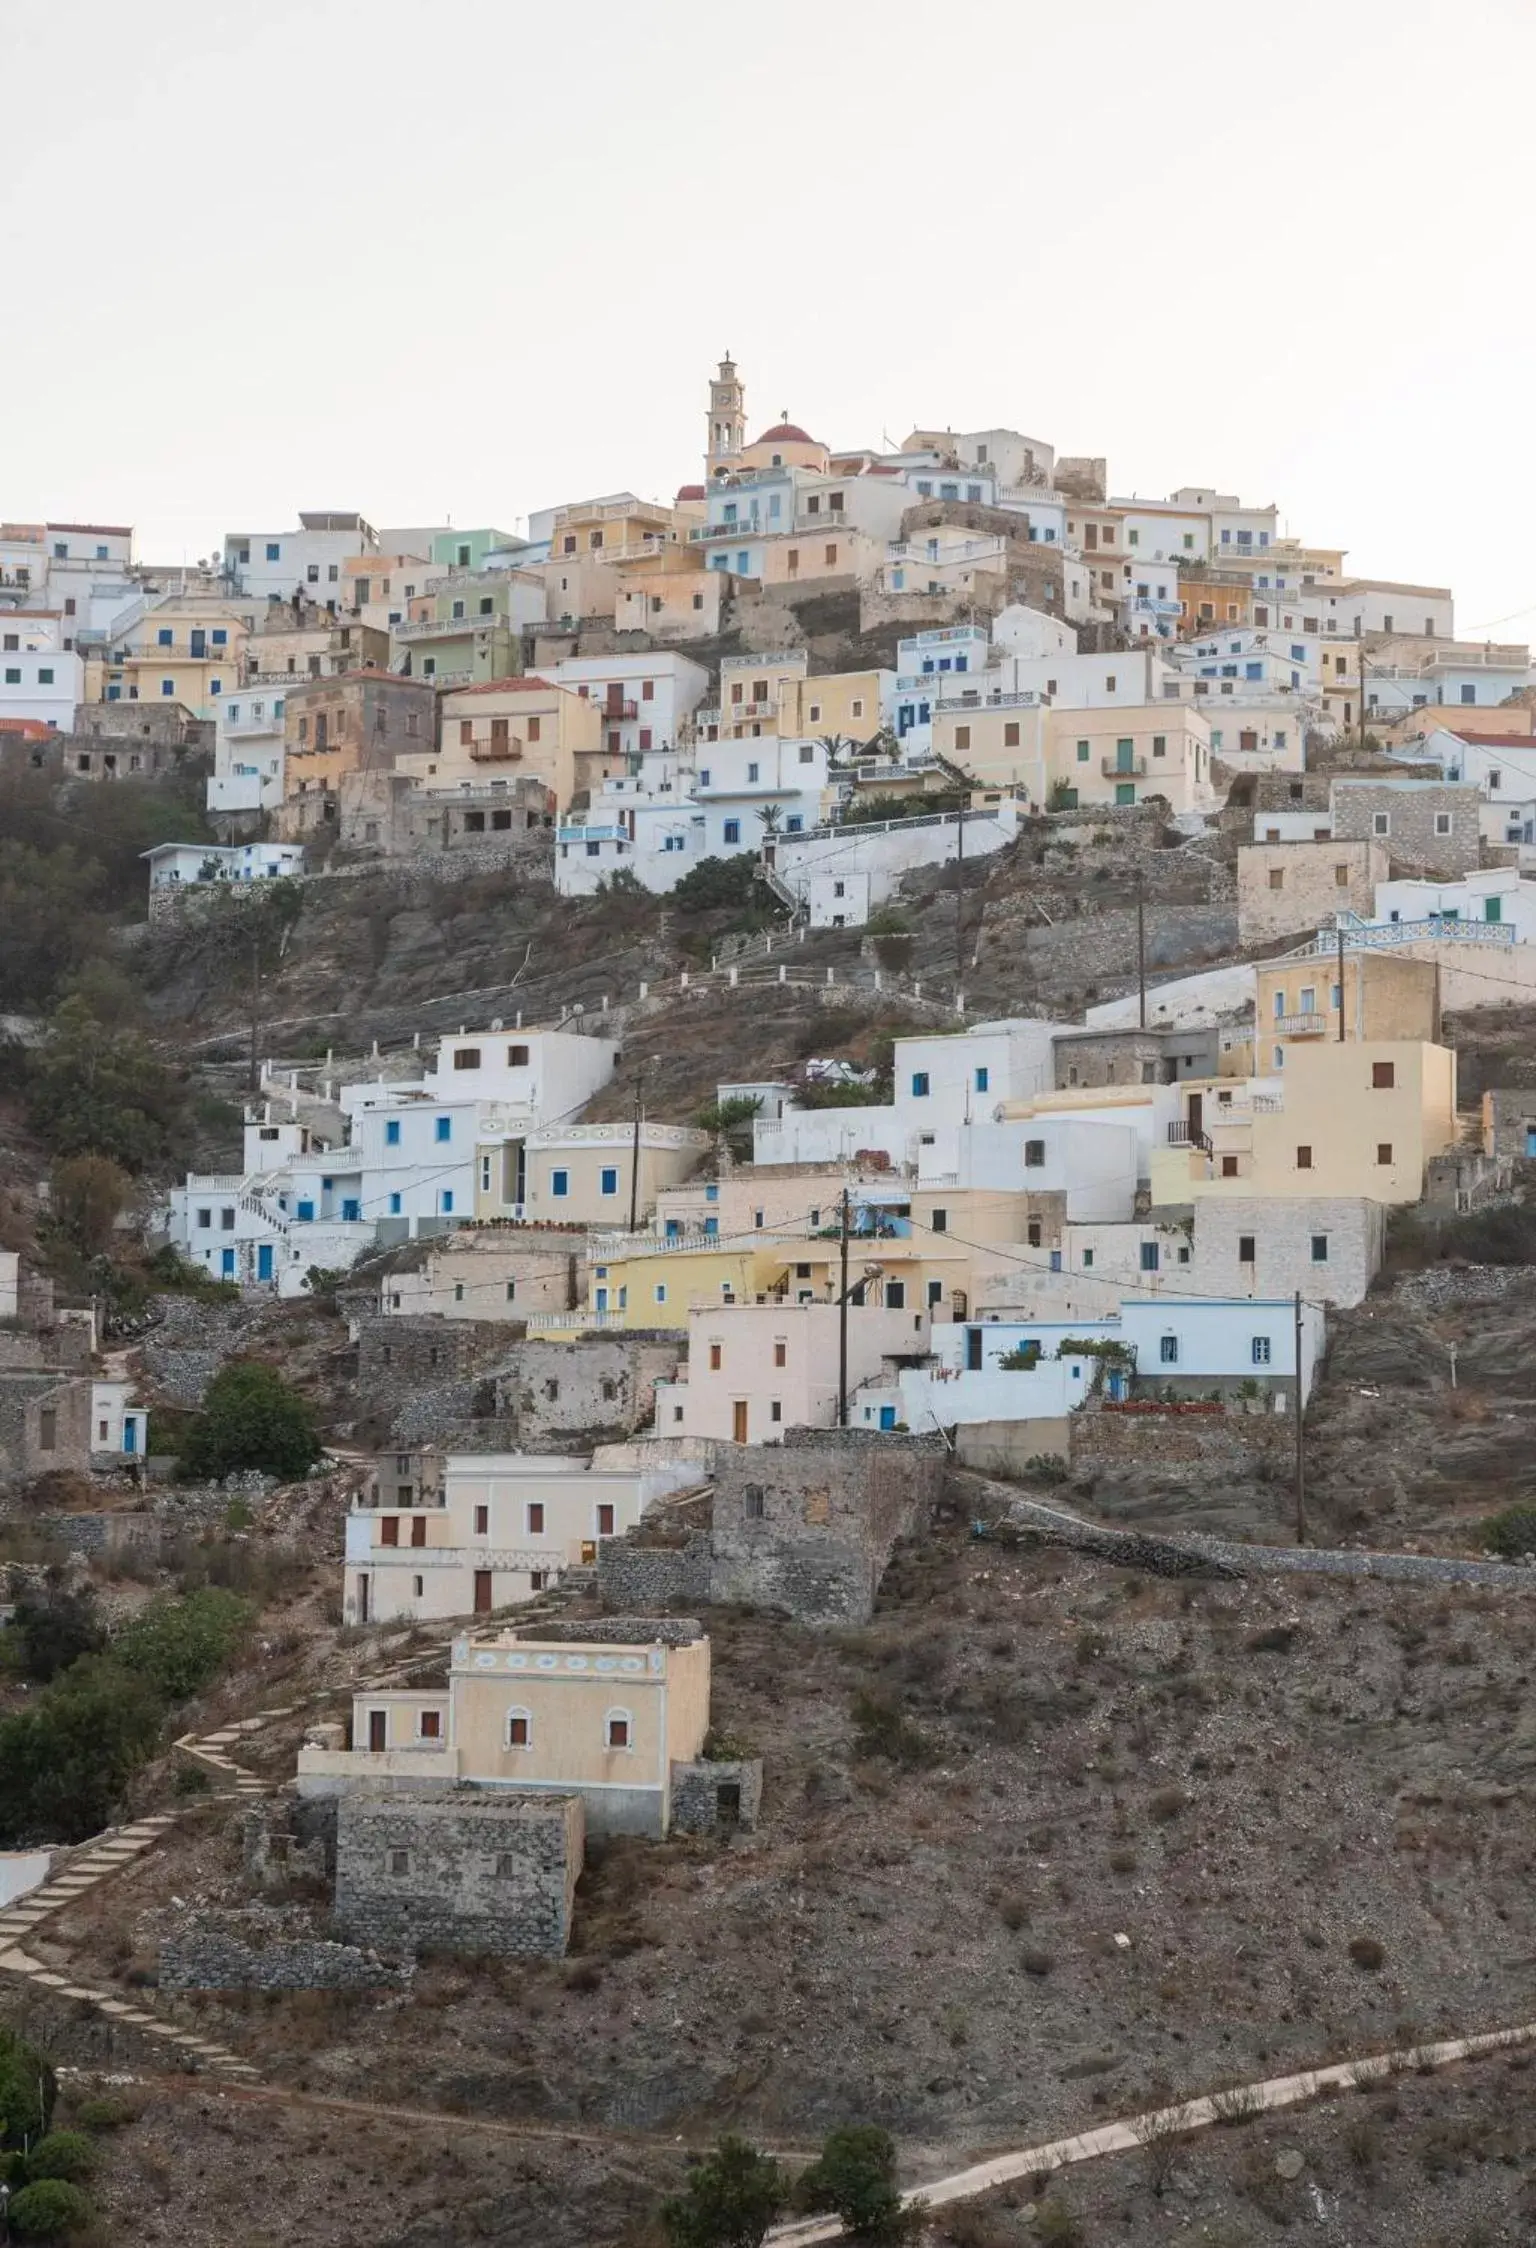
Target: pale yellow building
[
  {"x": 848, "y": 704},
  {"x": 186, "y": 650},
  {"x": 516, "y": 727},
  {"x": 595, "y": 1174},
  {"x": 752, "y": 690},
  {"x": 1127, "y": 754},
  {"x": 605, "y": 1719},
  {"x": 641, "y": 1283},
  {"x": 798, "y": 556},
  {"x": 1358, "y": 1118},
  {"x": 1002, "y": 742}
]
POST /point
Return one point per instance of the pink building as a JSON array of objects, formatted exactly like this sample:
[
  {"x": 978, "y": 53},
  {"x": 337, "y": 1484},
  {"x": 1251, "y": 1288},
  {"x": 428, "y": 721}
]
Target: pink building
[{"x": 755, "y": 1369}]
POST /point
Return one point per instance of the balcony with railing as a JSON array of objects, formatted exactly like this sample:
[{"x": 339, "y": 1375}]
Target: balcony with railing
[
  {"x": 612, "y": 511},
  {"x": 1025, "y": 699},
  {"x": 616, "y": 712},
  {"x": 496, "y": 749},
  {"x": 1377, "y": 936},
  {"x": 1123, "y": 768},
  {"x": 424, "y": 628}
]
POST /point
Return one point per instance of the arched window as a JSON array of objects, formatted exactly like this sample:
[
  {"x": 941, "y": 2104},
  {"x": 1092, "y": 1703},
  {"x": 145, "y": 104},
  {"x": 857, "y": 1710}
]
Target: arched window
[
  {"x": 619, "y": 1729},
  {"x": 519, "y": 1728}
]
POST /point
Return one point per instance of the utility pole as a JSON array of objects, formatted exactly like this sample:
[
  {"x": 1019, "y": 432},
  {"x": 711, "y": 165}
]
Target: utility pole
[
  {"x": 634, "y": 1163},
  {"x": 960, "y": 902},
  {"x": 254, "y": 1072},
  {"x": 1141, "y": 947},
  {"x": 1339, "y": 924},
  {"x": 1362, "y": 692},
  {"x": 1301, "y": 1473},
  {"x": 842, "y": 1317}
]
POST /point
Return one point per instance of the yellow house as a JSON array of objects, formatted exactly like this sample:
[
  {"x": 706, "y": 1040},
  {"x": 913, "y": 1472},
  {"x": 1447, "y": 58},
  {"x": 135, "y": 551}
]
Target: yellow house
[
  {"x": 671, "y": 596},
  {"x": 381, "y": 587},
  {"x": 188, "y": 651},
  {"x": 1361, "y": 1118},
  {"x": 540, "y": 1712},
  {"x": 642, "y": 1283},
  {"x": 511, "y": 727},
  {"x": 1129, "y": 753},
  {"x": 593, "y": 1174},
  {"x": 850, "y": 704},
  {"x": 840, "y": 552}
]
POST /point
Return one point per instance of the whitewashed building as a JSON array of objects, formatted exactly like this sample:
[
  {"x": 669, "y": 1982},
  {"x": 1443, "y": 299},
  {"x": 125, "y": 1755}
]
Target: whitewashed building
[
  {"x": 40, "y": 678},
  {"x": 274, "y": 565},
  {"x": 248, "y": 755}
]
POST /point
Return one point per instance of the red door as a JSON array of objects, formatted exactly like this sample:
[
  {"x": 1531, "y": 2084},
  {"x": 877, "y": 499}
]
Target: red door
[{"x": 482, "y": 1592}]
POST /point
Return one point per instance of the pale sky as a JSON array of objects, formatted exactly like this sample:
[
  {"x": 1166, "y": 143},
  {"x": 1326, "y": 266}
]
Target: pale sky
[{"x": 465, "y": 262}]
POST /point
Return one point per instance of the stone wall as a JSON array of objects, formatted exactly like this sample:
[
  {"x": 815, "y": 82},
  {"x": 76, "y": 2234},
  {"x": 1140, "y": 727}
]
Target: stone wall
[
  {"x": 395, "y": 1350},
  {"x": 1412, "y": 810},
  {"x": 45, "y": 1425},
  {"x": 618, "y": 1631},
  {"x": 262, "y": 1948},
  {"x": 1509, "y": 1113},
  {"x": 552, "y": 1391},
  {"x": 651, "y": 1577},
  {"x": 189, "y": 1342},
  {"x": 697, "y": 1807},
  {"x": 809, "y": 1526},
  {"x": 459, "y": 1870}
]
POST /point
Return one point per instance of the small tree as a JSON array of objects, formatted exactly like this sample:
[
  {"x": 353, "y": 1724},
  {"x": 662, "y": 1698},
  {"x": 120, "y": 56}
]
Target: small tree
[
  {"x": 50, "y": 1627},
  {"x": 730, "y": 2200},
  {"x": 856, "y": 2178},
  {"x": 87, "y": 1194},
  {"x": 62, "y": 2154},
  {"x": 27, "y": 2090},
  {"x": 250, "y": 1418}
]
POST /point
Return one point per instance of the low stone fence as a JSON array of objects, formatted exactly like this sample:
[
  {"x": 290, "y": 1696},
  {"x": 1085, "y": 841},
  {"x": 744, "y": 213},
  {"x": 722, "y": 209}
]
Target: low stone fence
[
  {"x": 645, "y": 1578},
  {"x": 1178, "y": 1448},
  {"x": 262, "y": 1948},
  {"x": 1441, "y": 1285}
]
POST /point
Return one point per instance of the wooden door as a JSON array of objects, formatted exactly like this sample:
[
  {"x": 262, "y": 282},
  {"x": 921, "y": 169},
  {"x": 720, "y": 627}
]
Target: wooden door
[
  {"x": 482, "y": 1592},
  {"x": 739, "y": 1421},
  {"x": 378, "y": 1731},
  {"x": 1196, "y": 1115}
]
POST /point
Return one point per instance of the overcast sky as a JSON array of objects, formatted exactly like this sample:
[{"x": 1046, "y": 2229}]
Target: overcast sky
[{"x": 461, "y": 263}]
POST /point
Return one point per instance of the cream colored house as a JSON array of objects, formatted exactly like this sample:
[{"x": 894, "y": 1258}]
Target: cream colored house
[
  {"x": 1128, "y": 753},
  {"x": 504, "y": 1526},
  {"x": 605, "y": 1718},
  {"x": 492, "y": 1273},
  {"x": 595, "y": 1174},
  {"x": 1358, "y": 1118},
  {"x": 755, "y": 1369},
  {"x": 852, "y": 705},
  {"x": 1002, "y": 741},
  {"x": 752, "y": 689}
]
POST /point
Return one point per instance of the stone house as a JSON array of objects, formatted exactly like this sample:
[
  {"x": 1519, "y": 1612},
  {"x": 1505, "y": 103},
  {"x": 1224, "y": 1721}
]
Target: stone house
[
  {"x": 1291, "y": 889},
  {"x": 388, "y": 812},
  {"x": 1429, "y": 827},
  {"x": 459, "y": 1871},
  {"x": 1509, "y": 1123},
  {"x": 45, "y": 1423},
  {"x": 810, "y": 1525}
]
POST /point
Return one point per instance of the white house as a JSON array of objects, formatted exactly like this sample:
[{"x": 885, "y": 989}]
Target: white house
[
  {"x": 40, "y": 678},
  {"x": 119, "y": 1428},
  {"x": 656, "y": 839},
  {"x": 948, "y": 559},
  {"x": 643, "y": 698},
  {"x": 964, "y": 1384},
  {"x": 294, "y": 1204},
  {"x": 1134, "y": 676},
  {"x": 248, "y": 755},
  {"x": 274, "y": 565},
  {"x": 737, "y": 783},
  {"x": 1491, "y": 894},
  {"x": 1094, "y": 1165},
  {"x": 1031, "y": 633},
  {"x": 926, "y": 665},
  {"x": 840, "y": 874},
  {"x": 186, "y": 865}
]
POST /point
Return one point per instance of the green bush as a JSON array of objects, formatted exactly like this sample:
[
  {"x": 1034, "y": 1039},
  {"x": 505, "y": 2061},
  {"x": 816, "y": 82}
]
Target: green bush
[
  {"x": 51, "y": 1627},
  {"x": 717, "y": 883},
  {"x": 180, "y": 1646},
  {"x": 250, "y": 1418},
  {"x": 62, "y": 2154},
  {"x": 105, "y": 2113},
  {"x": 96, "y": 1091},
  {"x": 1512, "y": 1534},
  {"x": 50, "y": 2210},
  {"x": 731, "y": 2198}
]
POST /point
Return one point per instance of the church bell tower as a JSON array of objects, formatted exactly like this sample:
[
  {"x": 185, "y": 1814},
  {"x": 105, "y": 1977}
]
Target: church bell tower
[{"x": 727, "y": 430}]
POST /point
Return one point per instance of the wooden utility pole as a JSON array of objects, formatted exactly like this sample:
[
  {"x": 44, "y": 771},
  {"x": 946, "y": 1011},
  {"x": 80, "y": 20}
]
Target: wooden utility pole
[
  {"x": 1362, "y": 694},
  {"x": 254, "y": 1072},
  {"x": 1301, "y": 1471},
  {"x": 960, "y": 902},
  {"x": 842, "y": 1317},
  {"x": 634, "y": 1161}
]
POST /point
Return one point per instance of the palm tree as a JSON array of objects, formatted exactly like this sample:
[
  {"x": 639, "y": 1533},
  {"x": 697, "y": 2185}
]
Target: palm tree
[{"x": 771, "y": 815}]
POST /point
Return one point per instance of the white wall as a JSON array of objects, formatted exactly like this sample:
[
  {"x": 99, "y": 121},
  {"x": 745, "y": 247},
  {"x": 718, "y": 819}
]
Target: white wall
[
  {"x": 1183, "y": 1002},
  {"x": 869, "y": 859}
]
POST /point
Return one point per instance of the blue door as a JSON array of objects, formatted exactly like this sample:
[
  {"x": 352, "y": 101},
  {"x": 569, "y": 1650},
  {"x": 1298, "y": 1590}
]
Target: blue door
[
  {"x": 887, "y": 1416},
  {"x": 351, "y": 1209},
  {"x": 602, "y": 1299},
  {"x": 130, "y": 1435},
  {"x": 199, "y": 642},
  {"x": 1530, "y": 1140},
  {"x": 227, "y": 1263},
  {"x": 264, "y": 1260}
]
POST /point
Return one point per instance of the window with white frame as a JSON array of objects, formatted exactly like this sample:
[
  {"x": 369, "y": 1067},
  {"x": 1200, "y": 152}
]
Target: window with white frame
[
  {"x": 519, "y": 1728},
  {"x": 618, "y": 1729},
  {"x": 1168, "y": 1350},
  {"x": 1260, "y": 1350}
]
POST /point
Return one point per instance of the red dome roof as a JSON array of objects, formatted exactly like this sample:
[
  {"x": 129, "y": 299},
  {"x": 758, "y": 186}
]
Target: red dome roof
[
  {"x": 691, "y": 492},
  {"x": 788, "y": 433}
]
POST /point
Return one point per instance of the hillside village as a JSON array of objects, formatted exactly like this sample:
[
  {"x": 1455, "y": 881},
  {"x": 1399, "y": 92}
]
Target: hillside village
[{"x": 782, "y": 1230}]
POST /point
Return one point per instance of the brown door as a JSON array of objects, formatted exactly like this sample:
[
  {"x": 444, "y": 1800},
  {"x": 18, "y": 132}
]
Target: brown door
[
  {"x": 739, "y": 1421},
  {"x": 482, "y": 1592},
  {"x": 605, "y": 1521},
  {"x": 378, "y": 1729},
  {"x": 362, "y": 1600},
  {"x": 1196, "y": 1115},
  {"x": 419, "y": 1530}
]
